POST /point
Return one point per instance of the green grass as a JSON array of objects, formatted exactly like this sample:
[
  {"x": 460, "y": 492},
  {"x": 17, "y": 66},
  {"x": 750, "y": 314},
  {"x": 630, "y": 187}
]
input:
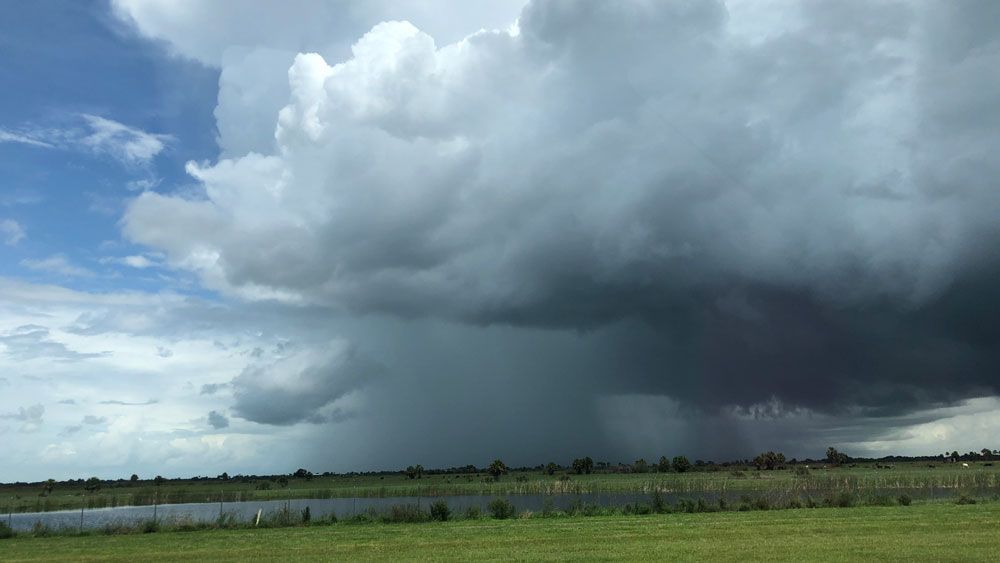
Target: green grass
[
  {"x": 933, "y": 531},
  {"x": 860, "y": 480}
]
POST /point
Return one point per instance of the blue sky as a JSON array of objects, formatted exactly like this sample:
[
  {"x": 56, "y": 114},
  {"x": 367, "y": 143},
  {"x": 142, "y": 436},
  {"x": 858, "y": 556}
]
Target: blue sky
[
  {"x": 361, "y": 234},
  {"x": 60, "y": 61}
]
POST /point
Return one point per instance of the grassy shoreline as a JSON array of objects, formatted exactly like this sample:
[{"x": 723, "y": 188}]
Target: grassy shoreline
[
  {"x": 912, "y": 478},
  {"x": 935, "y": 531}
]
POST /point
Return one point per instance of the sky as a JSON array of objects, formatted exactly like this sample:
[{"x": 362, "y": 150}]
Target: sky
[{"x": 359, "y": 235}]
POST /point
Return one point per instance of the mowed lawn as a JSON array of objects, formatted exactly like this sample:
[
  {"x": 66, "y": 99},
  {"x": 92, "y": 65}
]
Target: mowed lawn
[{"x": 921, "y": 532}]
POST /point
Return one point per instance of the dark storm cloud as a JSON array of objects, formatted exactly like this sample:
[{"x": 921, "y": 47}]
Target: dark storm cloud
[{"x": 624, "y": 199}]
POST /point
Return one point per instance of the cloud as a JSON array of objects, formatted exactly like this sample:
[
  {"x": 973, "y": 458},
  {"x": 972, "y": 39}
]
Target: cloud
[
  {"x": 11, "y": 231},
  {"x": 722, "y": 188},
  {"x": 296, "y": 387},
  {"x": 56, "y": 264},
  {"x": 217, "y": 420},
  {"x": 137, "y": 261},
  {"x": 128, "y": 403},
  {"x": 29, "y": 342},
  {"x": 91, "y": 419},
  {"x": 215, "y": 34},
  {"x": 30, "y": 417},
  {"x": 98, "y": 135},
  {"x": 126, "y": 144},
  {"x": 213, "y": 388},
  {"x": 11, "y": 137}
]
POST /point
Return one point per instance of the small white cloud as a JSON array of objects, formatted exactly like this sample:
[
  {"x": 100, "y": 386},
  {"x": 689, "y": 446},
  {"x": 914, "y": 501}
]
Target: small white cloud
[
  {"x": 11, "y": 231},
  {"x": 137, "y": 261},
  {"x": 56, "y": 264},
  {"x": 142, "y": 185},
  {"x": 127, "y": 144}
]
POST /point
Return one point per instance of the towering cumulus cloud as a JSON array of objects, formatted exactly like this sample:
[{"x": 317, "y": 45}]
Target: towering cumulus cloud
[{"x": 731, "y": 208}]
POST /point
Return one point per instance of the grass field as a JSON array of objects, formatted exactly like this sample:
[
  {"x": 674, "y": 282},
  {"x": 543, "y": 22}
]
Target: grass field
[
  {"x": 978, "y": 479},
  {"x": 933, "y": 531}
]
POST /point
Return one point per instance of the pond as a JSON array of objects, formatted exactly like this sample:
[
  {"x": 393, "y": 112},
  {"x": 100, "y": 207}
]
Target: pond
[{"x": 347, "y": 507}]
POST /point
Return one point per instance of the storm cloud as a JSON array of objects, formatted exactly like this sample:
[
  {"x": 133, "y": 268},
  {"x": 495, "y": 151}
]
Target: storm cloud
[{"x": 725, "y": 209}]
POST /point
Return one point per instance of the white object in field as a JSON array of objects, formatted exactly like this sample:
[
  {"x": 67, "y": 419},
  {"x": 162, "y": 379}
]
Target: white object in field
[
  {"x": 259, "y": 510},
  {"x": 965, "y": 465}
]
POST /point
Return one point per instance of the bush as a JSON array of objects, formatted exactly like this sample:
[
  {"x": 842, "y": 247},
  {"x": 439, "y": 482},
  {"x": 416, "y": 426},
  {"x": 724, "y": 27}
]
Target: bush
[
  {"x": 501, "y": 508},
  {"x": 685, "y": 505},
  {"x": 904, "y": 500},
  {"x": 440, "y": 511},
  {"x": 5, "y": 531},
  {"x": 408, "y": 513},
  {"x": 762, "y": 503},
  {"x": 659, "y": 506},
  {"x": 843, "y": 499},
  {"x": 794, "y": 504},
  {"x": 41, "y": 530},
  {"x": 473, "y": 513},
  {"x": 965, "y": 500},
  {"x": 548, "y": 508},
  {"x": 149, "y": 526},
  {"x": 306, "y": 515},
  {"x": 882, "y": 500},
  {"x": 802, "y": 471}
]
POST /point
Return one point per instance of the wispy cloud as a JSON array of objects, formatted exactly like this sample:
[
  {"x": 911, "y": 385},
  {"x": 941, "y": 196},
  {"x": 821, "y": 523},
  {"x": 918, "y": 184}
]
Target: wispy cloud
[
  {"x": 11, "y": 231},
  {"x": 24, "y": 139},
  {"x": 56, "y": 264},
  {"x": 128, "y": 404},
  {"x": 33, "y": 341},
  {"x": 129, "y": 145},
  {"x": 137, "y": 261}
]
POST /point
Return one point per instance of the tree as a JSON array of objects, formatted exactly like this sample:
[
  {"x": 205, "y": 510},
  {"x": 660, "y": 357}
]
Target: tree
[
  {"x": 303, "y": 474},
  {"x": 640, "y": 466},
  {"x": 551, "y": 468},
  {"x": 159, "y": 480},
  {"x": 663, "y": 466},
  {"x": 769, "y": 460},
  {"x": 47, "y": 486},
  {"x": 583, "y": 465},
  {"x": 224, "y": 476},
  {"x": 133, "y": 478},
  {"x": 92, "y": 485},
  {"x": 496, "y": 469},
  {"x": 986, "y": 453},
  {"x": 681, "y": 464},
  {"x": 415, "y": 471},
  {"x": 835, "y": 457}
]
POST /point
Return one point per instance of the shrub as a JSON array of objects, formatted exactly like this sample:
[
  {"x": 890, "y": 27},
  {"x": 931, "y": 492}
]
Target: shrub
[
  {"x": 473, "y": 513},
  {"x": 306, "y": 515},
  {"x": 659, "y": 506},
  {"x": 794, "y": 503},
  {"x": 842, "y": 499},
  {"x": 802, "y": 471},
  {"x": 548, "y": 508},
  {"x": 41, "y": 530},
  {"x": 5, "y": 531},
  {"x": 501, "y": 508},
  {"x": 882, "y": 500},
  {"x": 904, "y": 500},
  {"x": 762, "y": 503},
  {"x": 685, "y": 505},
  {"x": 409, "y": 513},
  {"x": 440, "y": 511},
  {"x": 703, "y": 506},
  {"x": 965, "y": 500},
  {"x": 149, "y": 526}
]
